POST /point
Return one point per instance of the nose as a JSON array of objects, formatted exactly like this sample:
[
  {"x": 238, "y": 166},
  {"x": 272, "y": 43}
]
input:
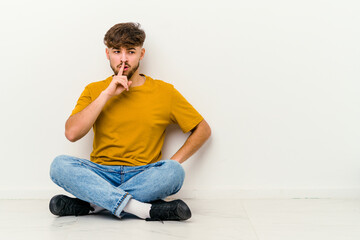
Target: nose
[{"x": 123, "y": 57}]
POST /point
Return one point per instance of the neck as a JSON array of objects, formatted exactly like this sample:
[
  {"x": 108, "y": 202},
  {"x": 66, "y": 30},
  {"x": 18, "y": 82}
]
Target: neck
[{"x": 137, "y": 79}]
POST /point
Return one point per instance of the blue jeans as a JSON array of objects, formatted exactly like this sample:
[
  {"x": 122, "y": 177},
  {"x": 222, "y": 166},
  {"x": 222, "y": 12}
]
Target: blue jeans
[{"x": 111, "y": 187}]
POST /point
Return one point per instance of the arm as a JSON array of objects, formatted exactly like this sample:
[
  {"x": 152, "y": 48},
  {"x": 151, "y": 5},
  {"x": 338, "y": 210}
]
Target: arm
[
  {"x": 197, "y": 138},
  {"x": 80, "y": 123}
]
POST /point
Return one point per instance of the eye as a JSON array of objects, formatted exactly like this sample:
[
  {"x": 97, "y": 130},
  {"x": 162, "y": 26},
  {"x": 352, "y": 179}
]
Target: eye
[
  {"x": 116, "y": 51},
  {"x": 132, "y": 52}
]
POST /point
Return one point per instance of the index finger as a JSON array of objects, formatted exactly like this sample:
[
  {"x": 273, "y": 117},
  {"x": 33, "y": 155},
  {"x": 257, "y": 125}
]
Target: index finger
[{"x": 121, "y": 69}]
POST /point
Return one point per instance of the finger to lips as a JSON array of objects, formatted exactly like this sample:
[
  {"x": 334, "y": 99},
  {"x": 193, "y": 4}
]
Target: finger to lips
[{"x": 121, "y": 69}]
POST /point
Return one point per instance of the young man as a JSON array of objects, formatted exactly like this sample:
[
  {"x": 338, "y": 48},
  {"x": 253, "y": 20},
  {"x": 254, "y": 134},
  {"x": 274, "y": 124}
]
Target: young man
[{"x": 129, "y": 113}]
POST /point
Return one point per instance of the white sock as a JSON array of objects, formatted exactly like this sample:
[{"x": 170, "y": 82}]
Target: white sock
[{"x": 140, "y": 209}]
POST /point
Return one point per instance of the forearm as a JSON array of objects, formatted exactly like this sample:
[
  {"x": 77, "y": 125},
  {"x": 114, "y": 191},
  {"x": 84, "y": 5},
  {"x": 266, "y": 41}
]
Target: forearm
[
  {"x": 197, "y": 138},
  {"x": 80, "y": 123}
]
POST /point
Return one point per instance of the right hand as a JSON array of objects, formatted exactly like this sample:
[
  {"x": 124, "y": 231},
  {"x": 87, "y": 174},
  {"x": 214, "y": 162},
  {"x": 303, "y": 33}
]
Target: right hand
[{"x": 118, "y": 84}]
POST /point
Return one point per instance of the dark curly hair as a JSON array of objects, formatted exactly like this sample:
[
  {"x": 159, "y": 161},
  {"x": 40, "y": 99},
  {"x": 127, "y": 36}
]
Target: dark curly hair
[{"x": 124, "y": 35}]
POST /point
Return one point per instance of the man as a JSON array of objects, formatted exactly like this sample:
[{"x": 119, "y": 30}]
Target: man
[{"x": 129, "y": 113}]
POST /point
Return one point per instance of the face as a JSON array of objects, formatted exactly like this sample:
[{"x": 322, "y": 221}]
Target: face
[{"x": 131, "y": 56}]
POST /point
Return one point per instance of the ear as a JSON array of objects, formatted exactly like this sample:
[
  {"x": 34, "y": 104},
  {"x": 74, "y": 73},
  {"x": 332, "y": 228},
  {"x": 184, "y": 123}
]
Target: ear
[
  {"x": 107, "y": 53},
  {"x": 142, "y": 55}
]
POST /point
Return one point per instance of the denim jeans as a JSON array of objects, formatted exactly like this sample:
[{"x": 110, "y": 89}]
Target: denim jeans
[{"x": 111, "y": 187}]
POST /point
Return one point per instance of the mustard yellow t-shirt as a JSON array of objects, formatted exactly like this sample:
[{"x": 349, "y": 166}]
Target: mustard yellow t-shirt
[{"x": 130, "y": 129}]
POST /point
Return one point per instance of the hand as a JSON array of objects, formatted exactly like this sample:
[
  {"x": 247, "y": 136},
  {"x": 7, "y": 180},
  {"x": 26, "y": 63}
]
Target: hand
[{"x": 119, "y": 83}]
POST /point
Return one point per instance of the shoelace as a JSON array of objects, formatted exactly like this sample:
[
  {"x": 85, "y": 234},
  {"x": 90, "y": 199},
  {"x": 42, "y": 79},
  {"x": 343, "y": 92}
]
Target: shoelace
[
  {"x": 167, "y": 212},
  {"x": 155, "y": 219},
  {"x": 77, "y": 208}
]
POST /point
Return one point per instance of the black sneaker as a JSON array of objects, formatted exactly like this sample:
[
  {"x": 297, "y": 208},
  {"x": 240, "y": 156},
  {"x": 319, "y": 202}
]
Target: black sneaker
[
  {"x": 62, "y": 205},
  {"x": 174, "y": 210}
]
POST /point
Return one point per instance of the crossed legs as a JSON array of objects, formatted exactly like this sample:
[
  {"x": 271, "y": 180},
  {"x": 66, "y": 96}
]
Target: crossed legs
[{"x": 111, "y": 187}]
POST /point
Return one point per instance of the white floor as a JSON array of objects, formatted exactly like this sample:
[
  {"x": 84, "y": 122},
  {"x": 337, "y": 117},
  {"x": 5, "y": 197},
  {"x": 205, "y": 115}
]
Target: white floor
[{"x": 305, "y": 219}]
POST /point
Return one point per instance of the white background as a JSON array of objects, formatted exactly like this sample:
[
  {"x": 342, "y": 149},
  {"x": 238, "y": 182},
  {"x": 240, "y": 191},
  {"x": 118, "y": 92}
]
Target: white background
[{"x": 278, "y": 82}]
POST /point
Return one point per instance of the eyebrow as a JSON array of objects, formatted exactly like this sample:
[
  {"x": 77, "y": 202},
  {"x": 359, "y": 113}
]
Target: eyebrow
[{"x": 116, "y": 49}]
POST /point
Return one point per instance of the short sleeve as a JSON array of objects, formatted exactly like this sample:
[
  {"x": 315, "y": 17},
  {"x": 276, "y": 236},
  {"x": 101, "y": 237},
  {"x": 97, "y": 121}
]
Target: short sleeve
[
  {"x": 83, "y": 101},
  {"x": 183, "y": 113}
]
